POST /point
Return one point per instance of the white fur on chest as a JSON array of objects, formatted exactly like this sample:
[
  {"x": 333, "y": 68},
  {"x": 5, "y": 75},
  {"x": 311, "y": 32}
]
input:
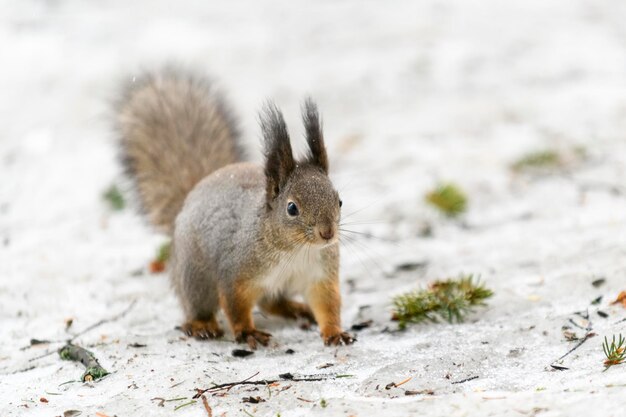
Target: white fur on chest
[{"x": 295, "y": 272}]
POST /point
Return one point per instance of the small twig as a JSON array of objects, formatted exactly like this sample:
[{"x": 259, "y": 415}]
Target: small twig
[
  {"x": 48, "y": 353},
  {"x": 93, "y": 326},
  {"x": 35, "y": 342},
  {"x": 579, "y": 344},
  {"x": 228, "y": 385},
  {"x": 207, "y": 407},
  {"x": 161, "y": 401},
  {"x": 471, "y": 378},
  {"x": 19, "y": 371},
  {"x": 394, "y": 385},
  {"x": 283, "y": 377},
  {"x": 578, "y": 325},
  {"x": 246, "y": 380},
  {"x": 103, "y": 321}
]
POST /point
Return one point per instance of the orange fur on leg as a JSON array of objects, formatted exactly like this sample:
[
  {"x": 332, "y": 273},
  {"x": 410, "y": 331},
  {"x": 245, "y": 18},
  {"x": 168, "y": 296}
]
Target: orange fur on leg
[{"x": 237, "y": 303}]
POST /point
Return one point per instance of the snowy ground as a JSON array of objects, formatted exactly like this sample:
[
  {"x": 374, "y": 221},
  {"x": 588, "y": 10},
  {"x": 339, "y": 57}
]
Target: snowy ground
[{"x": 413, "y": 93}]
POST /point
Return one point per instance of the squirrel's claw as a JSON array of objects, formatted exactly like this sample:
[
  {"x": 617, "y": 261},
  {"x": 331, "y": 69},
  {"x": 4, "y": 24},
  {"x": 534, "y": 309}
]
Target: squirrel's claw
[
  {"x": 251, "y": 337},
  {"x": 202, "y": 330},
  {"x": 342, "y": 338}
]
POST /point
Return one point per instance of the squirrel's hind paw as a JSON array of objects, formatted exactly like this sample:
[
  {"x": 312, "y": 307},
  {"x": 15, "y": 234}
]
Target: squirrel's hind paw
[
  {"x": 251, "y": 337},
  {"x": 202, "y": 329},
  {"x": 341, "y": 338}
]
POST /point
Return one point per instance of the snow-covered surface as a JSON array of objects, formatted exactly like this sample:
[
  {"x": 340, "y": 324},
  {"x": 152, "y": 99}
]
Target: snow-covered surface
[{"x": 413, "y": 93}]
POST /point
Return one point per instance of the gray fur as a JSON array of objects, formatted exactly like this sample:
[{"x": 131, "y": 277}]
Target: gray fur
[{"x": 175, "y": 129}]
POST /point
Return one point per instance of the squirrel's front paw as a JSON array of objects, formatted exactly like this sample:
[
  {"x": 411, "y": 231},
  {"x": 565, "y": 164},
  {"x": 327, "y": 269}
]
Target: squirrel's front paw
[
  {"x": 251, "y": 337},
  {"x": 338, "y": 338}
]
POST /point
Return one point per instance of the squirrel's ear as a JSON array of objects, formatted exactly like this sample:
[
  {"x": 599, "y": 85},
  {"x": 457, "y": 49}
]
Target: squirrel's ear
[
  {"x": 314, "y": 135},
  {"x": 279, "y": 162}
]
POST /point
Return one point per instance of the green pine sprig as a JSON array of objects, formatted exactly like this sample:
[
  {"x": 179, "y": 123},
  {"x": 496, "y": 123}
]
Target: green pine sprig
[
  {"x": 449, "y": 300},
  {"x": 615, "y": 352}
]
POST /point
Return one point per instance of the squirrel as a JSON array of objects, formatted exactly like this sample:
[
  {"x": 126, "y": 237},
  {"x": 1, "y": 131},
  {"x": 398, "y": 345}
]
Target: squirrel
[{"x": 242, "y": 233}]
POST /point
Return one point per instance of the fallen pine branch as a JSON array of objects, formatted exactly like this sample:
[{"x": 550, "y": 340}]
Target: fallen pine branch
[
  {"x": 449, "y": 299},
  {"x": 93, "y": 371}
]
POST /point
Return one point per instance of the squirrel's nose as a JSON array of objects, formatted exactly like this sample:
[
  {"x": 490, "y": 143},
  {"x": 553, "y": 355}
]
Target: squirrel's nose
[{"x": 326, "y": 233}]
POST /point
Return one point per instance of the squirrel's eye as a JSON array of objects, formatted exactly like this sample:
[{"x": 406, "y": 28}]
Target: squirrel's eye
[
  {"x": 292, "y": 209},
  {"x": 340, "y": 203}
]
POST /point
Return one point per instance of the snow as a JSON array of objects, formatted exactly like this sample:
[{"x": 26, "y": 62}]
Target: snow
[{"x": 412, "y": 93}]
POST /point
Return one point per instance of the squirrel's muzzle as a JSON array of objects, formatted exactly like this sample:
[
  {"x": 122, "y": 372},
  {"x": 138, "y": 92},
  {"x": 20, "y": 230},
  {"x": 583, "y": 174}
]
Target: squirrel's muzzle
[{"x": 326, "y": 233}]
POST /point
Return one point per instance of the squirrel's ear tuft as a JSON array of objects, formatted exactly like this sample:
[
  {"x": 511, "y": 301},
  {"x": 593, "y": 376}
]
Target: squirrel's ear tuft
[
  {"x": 279, "y": 162},
  {"x": 314, "y": 135}
]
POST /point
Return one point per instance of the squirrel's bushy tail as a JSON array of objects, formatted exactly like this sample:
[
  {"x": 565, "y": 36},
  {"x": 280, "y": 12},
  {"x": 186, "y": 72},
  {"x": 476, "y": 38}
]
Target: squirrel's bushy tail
[{"x": 175, "y": 130}]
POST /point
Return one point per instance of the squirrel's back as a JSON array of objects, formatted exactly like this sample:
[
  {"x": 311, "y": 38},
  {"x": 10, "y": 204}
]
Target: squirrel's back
[{"x": 175, "y": 130}]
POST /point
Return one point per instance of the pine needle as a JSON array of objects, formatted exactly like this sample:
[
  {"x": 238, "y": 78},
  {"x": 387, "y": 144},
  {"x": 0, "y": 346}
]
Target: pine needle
[
  {"x": 449, "y": 199},
  {"x": 615, "y": 352},
  {"x": 449, "y": 300}
]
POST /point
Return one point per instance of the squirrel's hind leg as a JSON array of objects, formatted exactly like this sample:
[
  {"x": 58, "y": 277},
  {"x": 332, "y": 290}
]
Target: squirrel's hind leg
[
  {"x": 198, "y": 295},
  {"x": 289, "y": 309},
  {"x": 238, "y": 300}
]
